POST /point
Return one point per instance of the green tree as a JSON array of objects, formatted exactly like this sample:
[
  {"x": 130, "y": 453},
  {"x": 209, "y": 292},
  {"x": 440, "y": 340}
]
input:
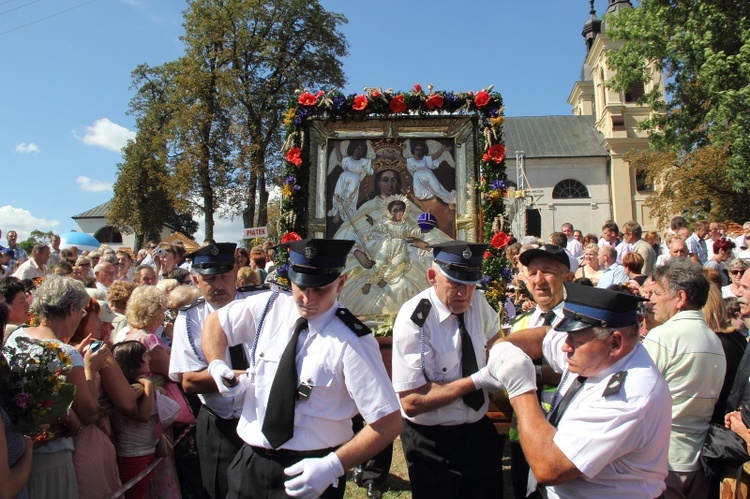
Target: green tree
[
  {"x": 35, "y": 237},
  {"x": 702, "y": 47},
  {"x": 142, "y": 201},
  {"x": 257, "y": 53}
]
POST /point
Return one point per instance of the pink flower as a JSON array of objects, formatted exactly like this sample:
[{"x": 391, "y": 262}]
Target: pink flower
[
  {"x": 375, "y": 94},
  {"x": 434, "y": 101},
  {"x": 307, "y": 99},
  {"x": 22, "y": 400},
  {"x": 397, "y": 104},
  {"x": 320, "y": 94},
  {"x": 360, "y": 102},
  {"x": 487, "y": 255}
]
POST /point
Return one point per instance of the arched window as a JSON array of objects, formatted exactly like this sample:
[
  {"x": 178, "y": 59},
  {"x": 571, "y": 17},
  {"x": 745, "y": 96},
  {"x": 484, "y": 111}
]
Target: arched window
[
  {"x": 568, "y": 189},
  {"x": 108, "y": 235}
]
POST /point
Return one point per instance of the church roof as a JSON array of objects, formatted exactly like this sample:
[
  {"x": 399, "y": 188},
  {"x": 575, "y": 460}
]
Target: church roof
[
  {"x": 100, "y": 211},
  {"x": 553, "y": 137}
]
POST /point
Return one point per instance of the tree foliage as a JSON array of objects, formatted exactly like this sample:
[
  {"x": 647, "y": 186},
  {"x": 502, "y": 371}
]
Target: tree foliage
[
  {"x": 35, "y": 237},
  {"x": 702, "y": 47},
  {"x": 698, "y": 188}
]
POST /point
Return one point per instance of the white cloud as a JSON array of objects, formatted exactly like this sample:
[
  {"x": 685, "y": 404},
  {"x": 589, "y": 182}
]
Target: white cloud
[
  {"x": 104, "y": 133},
  {"x": 87, "y": 184},
  {"x": 23, "y": 222},
  {"x": 225, "y": 230},
  {"x": 27, "y": 148}
]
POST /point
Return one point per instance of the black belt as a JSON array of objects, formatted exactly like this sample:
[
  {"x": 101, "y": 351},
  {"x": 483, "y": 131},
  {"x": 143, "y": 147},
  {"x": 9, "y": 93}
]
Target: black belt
[
  {"x": 212, "y": 413},
  {"x": 274, "y": 453}
]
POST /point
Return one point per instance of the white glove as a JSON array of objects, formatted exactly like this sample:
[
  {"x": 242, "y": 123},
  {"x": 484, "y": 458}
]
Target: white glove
[
  {"x": 314, "y": 476},
  {"x": 228, "y": 384},
  {"x": 512, "y": 368},
  {"x": 483, "y": 380}
]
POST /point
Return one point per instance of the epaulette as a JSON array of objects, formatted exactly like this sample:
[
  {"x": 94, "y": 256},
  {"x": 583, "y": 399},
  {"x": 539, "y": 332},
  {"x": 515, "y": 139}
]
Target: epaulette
[
  {"x": 357, "y": 326},
  {"x": 615, "y": 383},
  {"x": 420, "y": 313},
  {"x": 197, "y": 302},
  {"x": 254, "y": 289}
]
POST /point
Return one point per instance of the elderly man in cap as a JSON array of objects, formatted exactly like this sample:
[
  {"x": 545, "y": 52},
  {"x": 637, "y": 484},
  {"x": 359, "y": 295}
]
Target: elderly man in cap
[
  {"x": 313, "y": 366},
  {"x": 607, "y": 434},
  {"x": 216, "y": 427},
  {"x": 439, "y": 373}
]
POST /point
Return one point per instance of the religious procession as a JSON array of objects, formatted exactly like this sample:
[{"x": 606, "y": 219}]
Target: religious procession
[{"x": 447, "y": 303}]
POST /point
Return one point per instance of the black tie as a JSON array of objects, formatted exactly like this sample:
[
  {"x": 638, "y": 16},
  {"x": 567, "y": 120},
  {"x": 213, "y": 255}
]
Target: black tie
[
  {"x": 559, "y": 409},
  {"x": 549, "y": 317},
  {"x": 473, "y": 399},
  {"x": 278, "y": 425}
]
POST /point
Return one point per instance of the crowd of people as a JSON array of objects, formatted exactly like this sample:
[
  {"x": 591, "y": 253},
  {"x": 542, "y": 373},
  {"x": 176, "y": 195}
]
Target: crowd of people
[{"x": 615, "y": 351}]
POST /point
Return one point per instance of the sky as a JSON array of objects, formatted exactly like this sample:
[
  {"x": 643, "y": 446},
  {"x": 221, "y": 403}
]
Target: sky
[{"x": 65, "y": 88}]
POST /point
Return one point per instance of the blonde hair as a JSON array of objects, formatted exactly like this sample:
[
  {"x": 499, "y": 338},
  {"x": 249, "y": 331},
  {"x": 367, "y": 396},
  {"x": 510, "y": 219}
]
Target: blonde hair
[
  {"x": 247, "y": 276},
  {"x": 715, "y": 311},
  {"x": 182, "y": 295},
  {"x": 144, "y": 304},
  {"x": 167, "y": 285}
]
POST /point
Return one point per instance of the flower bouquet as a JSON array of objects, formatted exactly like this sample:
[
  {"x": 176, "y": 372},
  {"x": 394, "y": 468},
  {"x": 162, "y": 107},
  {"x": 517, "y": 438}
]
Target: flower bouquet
[{"x": 33, "y": 390}]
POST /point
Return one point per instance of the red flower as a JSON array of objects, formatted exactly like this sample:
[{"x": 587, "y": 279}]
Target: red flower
[
  {"x": 375, "y": 94},
  {"x": 289, "y": 237},
  {"x": 482, "y": 99},
  {"x": 46, "y": 403},
  {"x": 487, "y": 255},
  {"x": 307, "y": 99},
  {"x": 397, "y": 104},
  {"x": 294, "y": 155},
  {"x": 360, "y": 102},
  {"x": 418, "y": 88},
  {"x": 320, "y": 94},
  {"x": 500, "y": 240},
  {"x": 434, "y": 101},
  {"x": 495, "y": 154}
]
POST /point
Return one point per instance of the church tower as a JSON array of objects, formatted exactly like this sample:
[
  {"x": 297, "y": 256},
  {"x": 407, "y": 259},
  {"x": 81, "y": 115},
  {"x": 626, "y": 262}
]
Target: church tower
[{"x": 617, "y": 115}]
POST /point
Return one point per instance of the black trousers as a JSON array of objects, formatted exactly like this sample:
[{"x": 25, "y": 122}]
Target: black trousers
[
  {"x": 377, "y": 468},
  {"x": 454, "y": 461},
  {"x": 259, "y": 474},
  {"x": 217, "y": 442}
]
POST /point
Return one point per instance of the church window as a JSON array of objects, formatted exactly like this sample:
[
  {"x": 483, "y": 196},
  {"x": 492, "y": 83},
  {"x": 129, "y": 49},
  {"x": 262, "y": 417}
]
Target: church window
[
  {"x": 569, "y": 189},
  {"x": 108, "y": 235},
  {"x": 636, "y": 92}
]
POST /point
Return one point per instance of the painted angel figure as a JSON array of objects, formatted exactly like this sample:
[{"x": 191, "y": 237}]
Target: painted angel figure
[
  {"x": 421, "y": 158},
  {"x": 355, "y": 158}
]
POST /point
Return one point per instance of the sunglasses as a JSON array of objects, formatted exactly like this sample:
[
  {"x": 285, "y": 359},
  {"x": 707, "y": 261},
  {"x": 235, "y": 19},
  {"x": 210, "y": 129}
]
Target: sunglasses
[{"x": 737, "y": 272}]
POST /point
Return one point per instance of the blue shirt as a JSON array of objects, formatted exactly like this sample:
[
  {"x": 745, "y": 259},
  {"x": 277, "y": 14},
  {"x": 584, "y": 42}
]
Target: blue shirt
[{"x": 615, "y": 274}]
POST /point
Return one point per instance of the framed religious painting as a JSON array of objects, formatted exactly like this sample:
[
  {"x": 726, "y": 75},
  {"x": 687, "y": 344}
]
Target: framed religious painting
[{"x": 396, "y": 173}]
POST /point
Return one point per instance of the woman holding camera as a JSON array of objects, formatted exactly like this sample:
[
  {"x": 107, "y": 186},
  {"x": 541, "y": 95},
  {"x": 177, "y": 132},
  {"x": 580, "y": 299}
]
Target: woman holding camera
[{"x": 165, "y": 260}]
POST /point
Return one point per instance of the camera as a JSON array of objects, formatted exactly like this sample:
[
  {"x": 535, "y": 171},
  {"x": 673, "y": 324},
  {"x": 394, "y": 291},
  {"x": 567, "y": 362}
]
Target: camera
[
  {"x": 96, "y": 345},
  {"x": 160, "y": 252}
]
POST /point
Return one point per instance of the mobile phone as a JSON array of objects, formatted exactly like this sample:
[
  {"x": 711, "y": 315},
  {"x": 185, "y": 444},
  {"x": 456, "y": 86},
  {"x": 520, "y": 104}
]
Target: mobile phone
[{"x": 96, "y": 345}]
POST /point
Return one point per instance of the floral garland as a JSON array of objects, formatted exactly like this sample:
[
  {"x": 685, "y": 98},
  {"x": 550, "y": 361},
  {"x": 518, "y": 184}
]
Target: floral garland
[{"x": 374, "y": 102}]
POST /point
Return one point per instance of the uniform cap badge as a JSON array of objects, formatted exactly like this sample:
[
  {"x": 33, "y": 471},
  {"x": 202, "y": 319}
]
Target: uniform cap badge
[
  {"x": 214, "y": 250},
  {"x": 466, "y": 253},
  {"x": 310, "y": 252}
]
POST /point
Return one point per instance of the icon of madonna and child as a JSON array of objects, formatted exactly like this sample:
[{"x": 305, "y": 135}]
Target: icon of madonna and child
[{"x": 394, "y": 198}]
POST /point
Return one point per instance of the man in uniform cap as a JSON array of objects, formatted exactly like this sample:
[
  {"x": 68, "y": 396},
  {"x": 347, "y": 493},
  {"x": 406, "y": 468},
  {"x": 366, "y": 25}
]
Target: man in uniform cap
[
  {"x": 313, "y": 366},
  {"x": 216, "y": 426},
  {"x": 439, "y": 338},
  {"x": 607, "y": 434}
]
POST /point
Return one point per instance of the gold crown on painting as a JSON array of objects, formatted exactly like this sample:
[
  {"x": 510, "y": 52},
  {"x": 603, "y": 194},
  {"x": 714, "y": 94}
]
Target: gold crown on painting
[{"x": 388, "y": 155}]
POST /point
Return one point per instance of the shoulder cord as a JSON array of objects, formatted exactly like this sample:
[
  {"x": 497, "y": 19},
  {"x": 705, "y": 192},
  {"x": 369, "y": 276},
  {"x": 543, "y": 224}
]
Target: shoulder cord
[
  {"x": 270, "y": 301},
  {"x": 191, "y": 340},
  {"x": 556, "y": 396},
  {"x": 421, "y": 353}
]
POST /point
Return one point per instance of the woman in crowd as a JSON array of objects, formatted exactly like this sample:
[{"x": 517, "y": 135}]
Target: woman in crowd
[
  {"x": 16, "y": 450},
  {"x": 117, "y": 297},
  {"x": 633, "y": 263},
  {"x": 736, "y": 269},
  {"x": 258, "y": 261},
  {"x": 145, "y": 312},
  {"x": 247, "y": 277},
  {"x": 590, "y": 265},
  {"x": 60, "y": 304},
  {"x": 136, "y": 437},
  {"x": 241, "y": 258},
  {"x": 83, "y": 267},
  {"x": 94, "y": 456},
  {"x": 722, "y": 252},
  {"x": 14, "y": 294},
  {"x": 733, "y": 343}
]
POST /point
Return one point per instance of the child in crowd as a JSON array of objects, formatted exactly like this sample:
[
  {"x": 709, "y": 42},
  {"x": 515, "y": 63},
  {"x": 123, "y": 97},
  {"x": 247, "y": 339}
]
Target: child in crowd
[{"x": 135, "y": 440}]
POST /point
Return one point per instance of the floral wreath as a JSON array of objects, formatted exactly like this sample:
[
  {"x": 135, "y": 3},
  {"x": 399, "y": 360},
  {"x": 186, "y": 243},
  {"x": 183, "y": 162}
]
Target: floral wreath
[{"x": 375, "y": 102}]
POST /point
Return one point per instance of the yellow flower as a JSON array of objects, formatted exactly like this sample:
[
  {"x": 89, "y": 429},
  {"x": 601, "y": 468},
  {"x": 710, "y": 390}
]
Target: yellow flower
[
  {"x": 289, "y": 116},
  {"x": 287, "y": 190}
]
